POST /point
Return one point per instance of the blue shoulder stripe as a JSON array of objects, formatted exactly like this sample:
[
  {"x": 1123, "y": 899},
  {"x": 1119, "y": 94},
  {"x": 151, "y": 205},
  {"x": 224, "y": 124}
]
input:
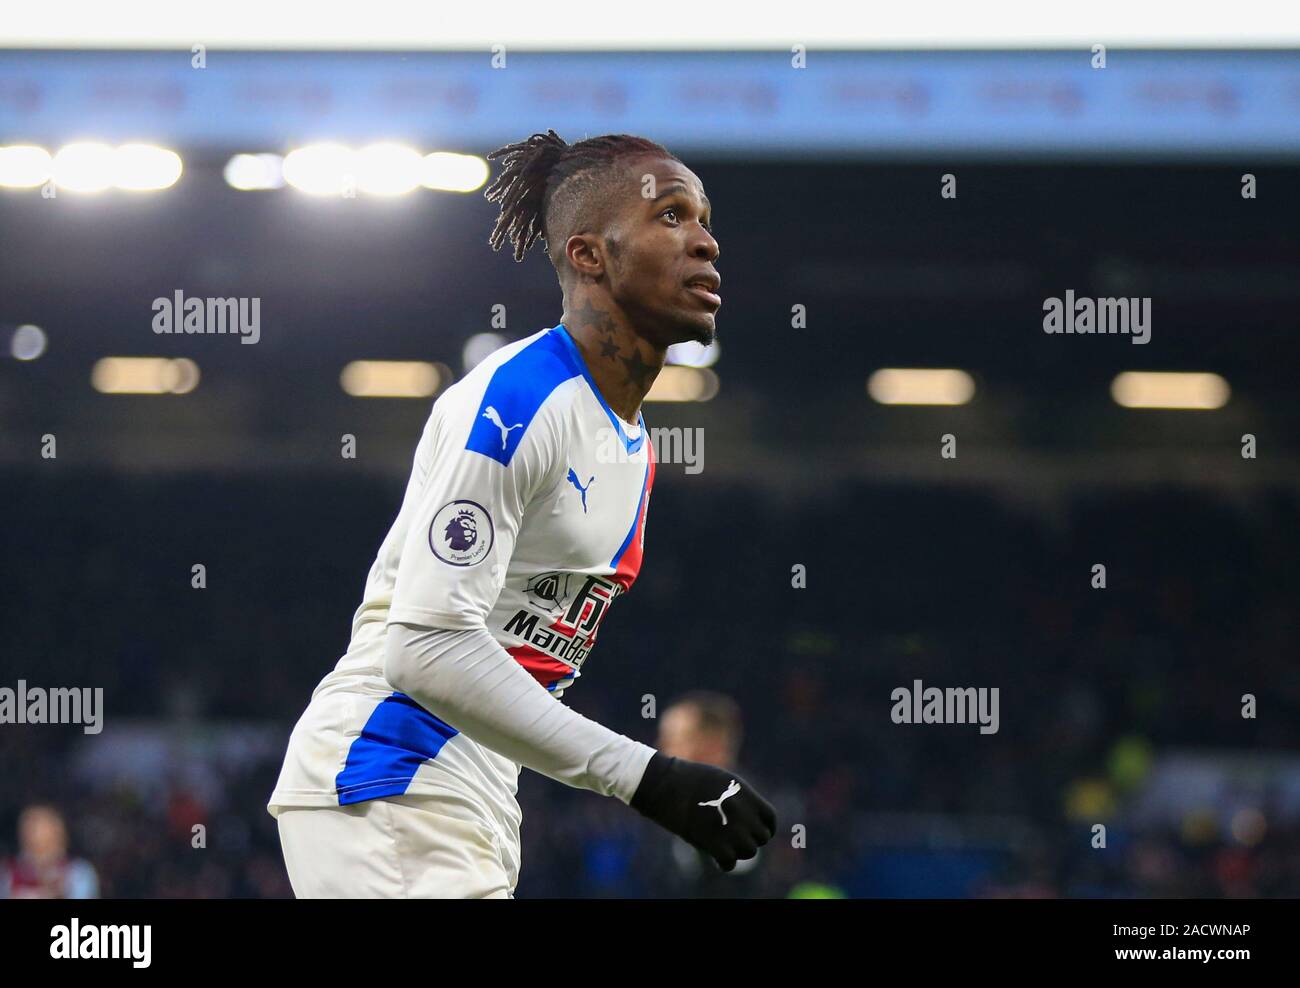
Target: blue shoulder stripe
[{"x": 514, "y": 394}]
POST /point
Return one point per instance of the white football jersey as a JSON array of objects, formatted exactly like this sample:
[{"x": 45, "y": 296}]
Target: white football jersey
[{"x": 525, "y": 514}]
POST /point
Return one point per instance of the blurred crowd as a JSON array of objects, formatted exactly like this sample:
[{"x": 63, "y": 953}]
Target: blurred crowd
[{"x": 790, "y": 685}]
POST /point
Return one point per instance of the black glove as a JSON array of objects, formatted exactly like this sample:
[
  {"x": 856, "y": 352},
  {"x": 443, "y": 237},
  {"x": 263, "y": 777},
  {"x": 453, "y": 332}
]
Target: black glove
[{"x": 712, "y": 809}]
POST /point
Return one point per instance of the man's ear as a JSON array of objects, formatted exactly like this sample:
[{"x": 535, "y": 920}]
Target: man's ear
[{"x": 586, "y": 255}]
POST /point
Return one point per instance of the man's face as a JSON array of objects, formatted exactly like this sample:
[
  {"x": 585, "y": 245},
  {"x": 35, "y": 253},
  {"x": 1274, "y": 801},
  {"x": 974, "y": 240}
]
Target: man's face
[
  {"x": 41, "y": 834},
  {"x": 681, "y": 736},
  {"x": 661, "y": 244}
]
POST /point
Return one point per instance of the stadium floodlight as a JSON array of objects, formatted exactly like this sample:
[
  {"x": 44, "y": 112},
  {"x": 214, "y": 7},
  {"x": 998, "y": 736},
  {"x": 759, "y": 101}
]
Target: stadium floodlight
[
  {"x": 693, "y": 354},
  {"x": 144, "y": 375},
  {"x": 326, "y": 169},
  {"x": 387, "y": 169},
  {"x": 393, "y": 378},
  {"x": 479, "y": 347},
  {"x": 450, "y": 172},
  {"x": 920, "y": 386},
  {"x": 145, "y": 168},
  {"x": 86, "y": 166},
  {"x": 1170, "y": 389},
  {"x": 27, "y": 343},
  {"x": 684, "y": 384},
  {"x": 24, "y": 166},
  {"x": 254, "y": 172}
]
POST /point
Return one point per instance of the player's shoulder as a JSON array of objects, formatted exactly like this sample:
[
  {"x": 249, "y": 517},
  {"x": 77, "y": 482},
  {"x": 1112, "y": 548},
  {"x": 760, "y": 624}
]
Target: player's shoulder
[{"x": 506, "y": 397}]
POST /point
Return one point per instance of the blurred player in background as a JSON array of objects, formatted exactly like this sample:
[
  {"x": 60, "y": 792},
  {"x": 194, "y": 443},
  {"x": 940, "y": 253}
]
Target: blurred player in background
[
  {"x": 42, "y": 868},
  {"x": 703, "y": 726},
  {"x": 523, "y": 521}
]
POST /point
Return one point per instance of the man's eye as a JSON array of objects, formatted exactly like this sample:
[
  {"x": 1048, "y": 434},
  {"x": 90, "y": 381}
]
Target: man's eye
[{"x": 673, "y": 210}]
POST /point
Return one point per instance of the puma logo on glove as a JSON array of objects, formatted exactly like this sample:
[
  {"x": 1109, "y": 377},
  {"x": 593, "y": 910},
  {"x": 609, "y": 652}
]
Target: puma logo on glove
[
  {"x": 674, "y": 793},
  {"x": 732, "y": 789}
]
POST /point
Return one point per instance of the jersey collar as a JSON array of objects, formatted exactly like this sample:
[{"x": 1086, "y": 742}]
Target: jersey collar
[{"x": 631, "y": 445}]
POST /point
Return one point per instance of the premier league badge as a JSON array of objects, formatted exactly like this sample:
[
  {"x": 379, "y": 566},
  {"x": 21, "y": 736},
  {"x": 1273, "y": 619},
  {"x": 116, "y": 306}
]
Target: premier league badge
[{"x": 461, "y": 533}]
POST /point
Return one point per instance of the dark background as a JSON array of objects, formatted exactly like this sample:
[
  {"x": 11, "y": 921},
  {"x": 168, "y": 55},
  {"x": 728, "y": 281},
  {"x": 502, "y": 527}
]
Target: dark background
[{"x": 1119, "y": 706}]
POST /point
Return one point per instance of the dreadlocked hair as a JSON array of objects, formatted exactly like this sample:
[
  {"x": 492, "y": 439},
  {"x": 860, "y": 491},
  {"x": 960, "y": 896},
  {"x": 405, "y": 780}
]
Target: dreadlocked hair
[{"x": 534, "y": 169}]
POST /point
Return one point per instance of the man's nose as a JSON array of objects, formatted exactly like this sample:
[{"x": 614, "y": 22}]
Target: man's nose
[{"x": 705, "y": 246}]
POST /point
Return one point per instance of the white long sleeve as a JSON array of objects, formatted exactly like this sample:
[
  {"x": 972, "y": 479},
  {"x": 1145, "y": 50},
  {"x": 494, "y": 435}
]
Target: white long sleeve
[{"x": 468, "y": 680}]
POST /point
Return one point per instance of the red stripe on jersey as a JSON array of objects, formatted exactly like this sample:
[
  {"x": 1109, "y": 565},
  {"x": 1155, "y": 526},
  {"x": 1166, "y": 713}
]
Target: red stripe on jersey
[
  {"x": 546, "y": 669},
  {"x": 630, "y": 565}
]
